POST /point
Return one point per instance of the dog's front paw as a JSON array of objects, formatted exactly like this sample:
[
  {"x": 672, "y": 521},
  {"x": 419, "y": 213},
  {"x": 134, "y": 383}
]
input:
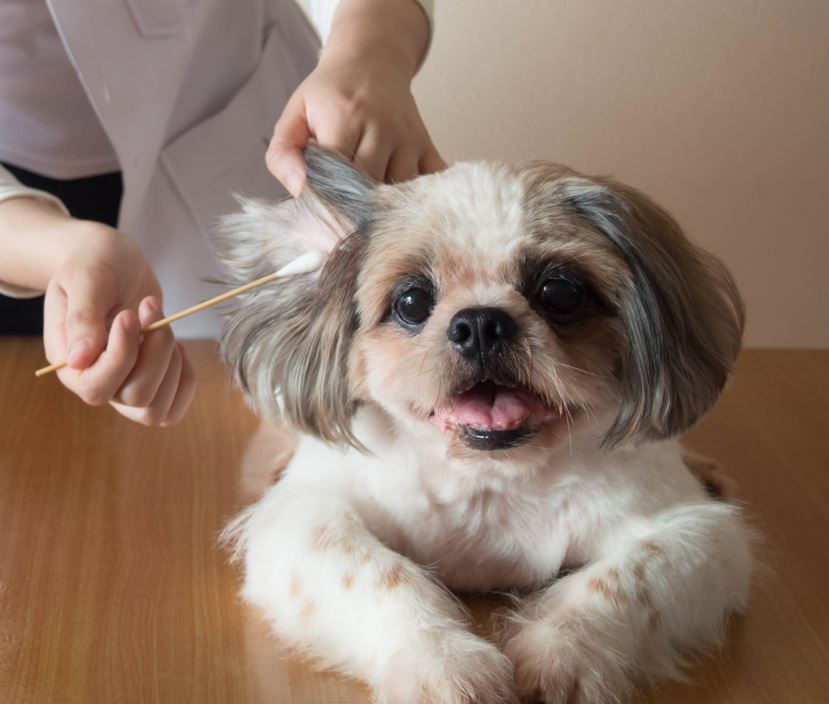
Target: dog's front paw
[
  {"x": 569, "y": 661},
  {"x": 447, "y": 669}
]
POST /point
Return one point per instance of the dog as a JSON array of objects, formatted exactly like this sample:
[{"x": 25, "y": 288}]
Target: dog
[{"x": 485, "y": 380}]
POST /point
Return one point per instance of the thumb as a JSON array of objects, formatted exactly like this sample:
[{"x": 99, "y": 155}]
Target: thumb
[
  {"x": 86, "y": 311},
  {"x": 285, "y": 158}
]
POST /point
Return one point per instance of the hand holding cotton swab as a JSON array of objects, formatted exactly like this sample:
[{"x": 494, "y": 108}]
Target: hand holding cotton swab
[{"x": 305, "y": 263}]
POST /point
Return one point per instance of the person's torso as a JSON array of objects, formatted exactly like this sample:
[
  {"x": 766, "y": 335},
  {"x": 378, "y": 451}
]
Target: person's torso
[
  {"x": 187, "y": 93},
  {"x": 47, "y": 123}
]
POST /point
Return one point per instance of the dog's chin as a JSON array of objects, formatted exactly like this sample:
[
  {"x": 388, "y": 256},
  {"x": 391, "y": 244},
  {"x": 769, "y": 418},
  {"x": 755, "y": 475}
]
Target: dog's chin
[{"x": 490, "y": 416}]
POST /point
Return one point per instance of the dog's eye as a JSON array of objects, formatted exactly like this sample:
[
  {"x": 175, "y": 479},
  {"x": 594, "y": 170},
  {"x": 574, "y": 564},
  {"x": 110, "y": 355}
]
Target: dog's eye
[
  {"x": 413, "y": 306},
  {"x": 562, "y": 297}
]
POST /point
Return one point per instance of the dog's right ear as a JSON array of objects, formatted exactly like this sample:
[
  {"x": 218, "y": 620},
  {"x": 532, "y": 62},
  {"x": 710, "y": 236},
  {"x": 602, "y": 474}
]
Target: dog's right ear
[{"x": 288, "y": 342}]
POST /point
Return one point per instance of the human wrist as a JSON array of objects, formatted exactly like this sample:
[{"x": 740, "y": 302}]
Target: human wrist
[
  {"x": 370, "y": 58},
  {"x": 30, "y": 246},
  {"x": 36, "y": 239}
]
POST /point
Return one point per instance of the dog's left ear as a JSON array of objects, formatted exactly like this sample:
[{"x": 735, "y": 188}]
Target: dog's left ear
[
  {"x": 288, "y": 342},
  {"x": 681, "y": 311}
]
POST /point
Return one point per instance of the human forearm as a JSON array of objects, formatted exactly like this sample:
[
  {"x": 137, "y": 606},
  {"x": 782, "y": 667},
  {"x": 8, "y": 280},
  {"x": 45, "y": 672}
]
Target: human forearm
[
  {"x": 393, "y": 32},
  {"x": 35, "y": 239}
]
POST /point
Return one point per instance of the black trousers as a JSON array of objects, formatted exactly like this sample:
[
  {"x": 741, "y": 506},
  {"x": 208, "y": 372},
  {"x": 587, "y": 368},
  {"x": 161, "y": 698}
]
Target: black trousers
[{"x": 92, "y": 198}]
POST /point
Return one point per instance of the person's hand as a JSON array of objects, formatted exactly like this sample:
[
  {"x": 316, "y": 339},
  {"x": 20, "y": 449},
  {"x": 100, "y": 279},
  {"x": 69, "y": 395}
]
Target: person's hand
[
  {"x": 358, "y": 100},
  {"x": 365, "y": 112},
  {"x": 96, "y": 302}
]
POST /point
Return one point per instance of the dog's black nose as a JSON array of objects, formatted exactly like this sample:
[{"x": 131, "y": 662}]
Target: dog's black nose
[{"x": 481, "y": 332}]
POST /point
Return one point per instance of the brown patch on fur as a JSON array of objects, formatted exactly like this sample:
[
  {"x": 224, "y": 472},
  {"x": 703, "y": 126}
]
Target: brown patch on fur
[
  {"x": 463, "y": 273},
  {"x": 708, "y": 472},
  {"x": 643, "y": 597},
  {"x": 653, "y": 549},
  {"x": 401, "y": 257},
  {"x": 610, "y": 586},
  {"x": 613, "y": 593},
  {"x": 295, "y": 587},
  {"x": 655, "y": 620},
  {"x": 385, "y": 350},
  {"x": 320, "y": 539},
  {"x": 267, "y": 454},
  {"x": 347, "y": 581},
  {"x": 325, "y": 538},
  {"x": 391, "y": 578},
  {"x": 307, "y": 610},
  {"x": 639, "y": 570},
  {"x": 272, "y": 477}
]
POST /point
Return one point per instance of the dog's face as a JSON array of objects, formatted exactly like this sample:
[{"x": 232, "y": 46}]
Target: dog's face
[
  {"x": 483, "y": 314},
  {"x": 486, "y": 309}
]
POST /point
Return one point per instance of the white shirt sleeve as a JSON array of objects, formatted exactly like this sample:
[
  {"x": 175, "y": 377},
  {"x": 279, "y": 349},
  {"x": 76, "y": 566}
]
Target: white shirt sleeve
[
  {"x": 322, "y": 14},
  {"x": 10, "y": 187}
]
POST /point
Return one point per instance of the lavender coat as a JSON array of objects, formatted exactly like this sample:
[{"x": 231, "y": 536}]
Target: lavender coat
[{"x": 188, "y": 92}]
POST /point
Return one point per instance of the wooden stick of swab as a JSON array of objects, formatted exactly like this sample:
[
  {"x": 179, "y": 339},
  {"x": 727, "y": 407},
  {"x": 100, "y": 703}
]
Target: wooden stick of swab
[{"x": 310, "y": 261}]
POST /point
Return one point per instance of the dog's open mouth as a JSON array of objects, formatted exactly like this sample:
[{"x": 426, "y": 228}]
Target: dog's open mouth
[{"x": 490, "y": 416}]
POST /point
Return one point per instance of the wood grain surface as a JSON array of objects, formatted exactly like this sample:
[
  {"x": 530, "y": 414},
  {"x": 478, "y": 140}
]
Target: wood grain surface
[{"x": 112, "y": 588}]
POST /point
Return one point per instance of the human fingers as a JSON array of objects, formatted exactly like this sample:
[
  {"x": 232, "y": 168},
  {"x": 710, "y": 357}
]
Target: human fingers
[
  {"x": 431, "y": 161},
  {"x": 373, "y": 154},
  {"x": 98, "y": 383},
  {"x": 338, "y": 130},
  {"x": 286, "y": 152},
  {"x": 90, "y": 294},
  {"x": 184, "y": 394},
  {"x": 54, "y": 323},
  {"x": 402, "y": 166},
  {"x": 141, "y": 385}
]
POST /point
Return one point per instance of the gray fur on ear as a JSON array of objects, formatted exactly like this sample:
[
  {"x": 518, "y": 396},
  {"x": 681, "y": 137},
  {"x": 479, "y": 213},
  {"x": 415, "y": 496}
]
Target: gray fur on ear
[
  {"x": 682, "y": 312},
  {"x": 288, "y": 342}
]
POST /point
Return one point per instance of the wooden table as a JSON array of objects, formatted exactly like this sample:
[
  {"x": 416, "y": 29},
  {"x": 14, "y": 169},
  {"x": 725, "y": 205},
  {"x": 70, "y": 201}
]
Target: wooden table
[{"x": 112, "y": 588}]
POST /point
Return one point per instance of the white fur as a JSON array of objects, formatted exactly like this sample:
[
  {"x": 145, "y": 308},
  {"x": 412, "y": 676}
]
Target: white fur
[{"x": 488, "y": 525}]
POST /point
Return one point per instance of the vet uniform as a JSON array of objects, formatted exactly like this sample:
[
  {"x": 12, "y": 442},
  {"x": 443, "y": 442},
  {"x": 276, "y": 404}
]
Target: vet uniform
[{"x": 175, "y": 100}]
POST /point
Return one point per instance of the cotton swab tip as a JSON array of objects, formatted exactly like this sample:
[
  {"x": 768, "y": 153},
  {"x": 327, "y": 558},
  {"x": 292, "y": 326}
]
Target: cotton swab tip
[{"x": 303, "y": 264}]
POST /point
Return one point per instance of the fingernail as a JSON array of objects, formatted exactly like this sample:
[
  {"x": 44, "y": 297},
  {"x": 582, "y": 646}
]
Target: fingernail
[
  {"x": 129, "y": 323},
  {"x": 294, "y": 182},
  {"x": 152, "y": 306},
  {"x": 77, "y": 352}
]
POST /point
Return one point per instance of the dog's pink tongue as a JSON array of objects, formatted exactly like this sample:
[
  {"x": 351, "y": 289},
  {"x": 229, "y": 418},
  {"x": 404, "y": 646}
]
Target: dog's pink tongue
[{"x": 487, "y": 407}]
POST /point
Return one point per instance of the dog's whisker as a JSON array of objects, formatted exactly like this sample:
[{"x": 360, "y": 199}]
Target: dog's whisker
[{"x": 576, "y": 369}]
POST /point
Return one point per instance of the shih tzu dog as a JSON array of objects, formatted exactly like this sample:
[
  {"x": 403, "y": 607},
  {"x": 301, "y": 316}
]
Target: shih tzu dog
[{"x": 485, "y": 380}]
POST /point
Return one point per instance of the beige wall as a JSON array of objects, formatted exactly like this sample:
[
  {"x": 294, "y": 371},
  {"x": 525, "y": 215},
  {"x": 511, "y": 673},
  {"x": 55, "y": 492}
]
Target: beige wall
[{"x": 717, "y": 108}]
